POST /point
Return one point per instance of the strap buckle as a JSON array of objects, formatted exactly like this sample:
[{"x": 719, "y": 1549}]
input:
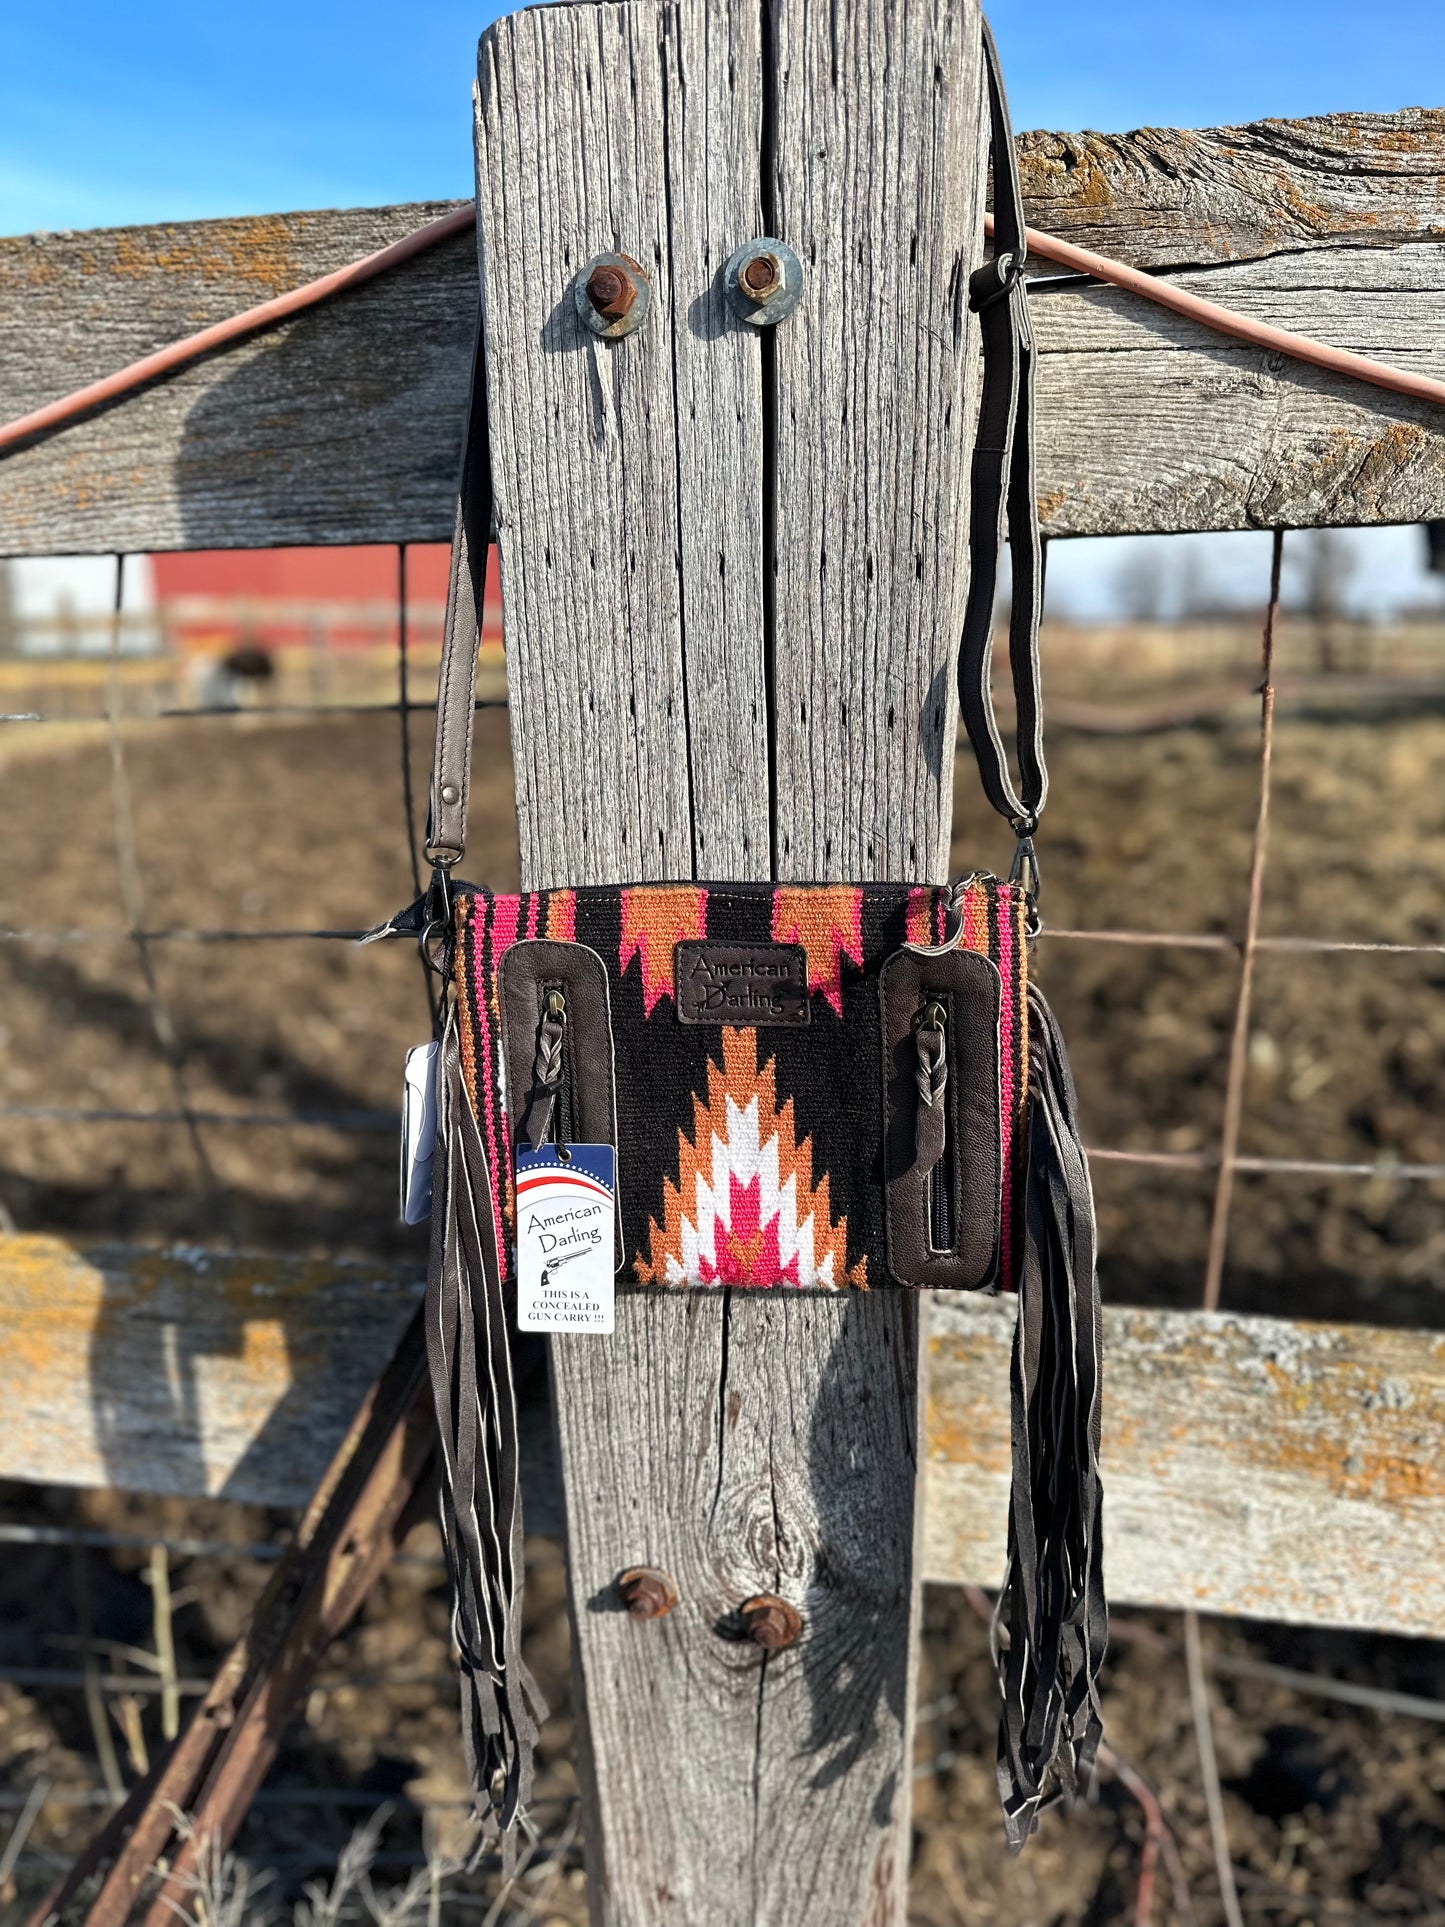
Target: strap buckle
[{"x": 995, "y": 280}]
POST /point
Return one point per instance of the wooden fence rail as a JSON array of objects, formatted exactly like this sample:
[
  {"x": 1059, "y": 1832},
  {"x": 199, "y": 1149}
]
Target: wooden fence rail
[
  {"x": 343, "y": 425},
  {"x": 1265, "y": 1466}
]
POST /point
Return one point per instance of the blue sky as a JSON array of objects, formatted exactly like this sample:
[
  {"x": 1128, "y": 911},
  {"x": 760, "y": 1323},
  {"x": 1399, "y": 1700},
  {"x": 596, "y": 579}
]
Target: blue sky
[
  {"x": 148, "y": 112},
  {"x": 152, "y": 111}
]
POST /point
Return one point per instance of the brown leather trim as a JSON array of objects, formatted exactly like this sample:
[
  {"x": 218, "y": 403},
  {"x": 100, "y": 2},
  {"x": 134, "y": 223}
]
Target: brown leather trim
[
  {"x": 466, "y": 587},
  {"x": 970, "y": 990},
  {"x": 527, "y": 971}
]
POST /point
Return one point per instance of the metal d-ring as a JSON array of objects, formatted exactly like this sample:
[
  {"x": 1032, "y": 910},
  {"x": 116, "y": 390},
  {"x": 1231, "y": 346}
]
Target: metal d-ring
[
  {"x": 437, "y": 915},
  {"x": 953, "y": 927},
  {"x": 995, "y": 280},
  {"x": 764, "y": 280}
]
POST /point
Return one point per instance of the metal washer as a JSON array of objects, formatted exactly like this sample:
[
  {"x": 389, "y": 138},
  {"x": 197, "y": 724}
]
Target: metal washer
[{"x": 781, "y": 298}]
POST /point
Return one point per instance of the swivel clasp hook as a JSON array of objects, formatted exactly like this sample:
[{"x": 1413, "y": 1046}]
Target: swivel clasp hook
[{"x": 436, "y": 930}]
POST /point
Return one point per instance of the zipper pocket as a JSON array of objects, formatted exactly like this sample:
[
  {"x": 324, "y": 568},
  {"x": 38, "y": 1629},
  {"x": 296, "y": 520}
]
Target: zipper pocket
[
  {"x": 563, "y": 1094},
  {"x": 942, "y": 1141}
]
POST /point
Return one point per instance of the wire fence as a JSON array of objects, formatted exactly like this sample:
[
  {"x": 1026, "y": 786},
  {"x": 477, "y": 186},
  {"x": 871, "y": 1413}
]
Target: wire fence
[
  {"x": 116, "y": 1680},
  {"x": 1226, "y": 1160},
  {"x": 221, "y": 713}
]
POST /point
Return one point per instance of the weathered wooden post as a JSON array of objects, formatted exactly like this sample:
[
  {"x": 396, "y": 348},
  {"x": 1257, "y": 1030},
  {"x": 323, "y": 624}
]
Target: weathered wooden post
[{"x": 733, "y": 565}]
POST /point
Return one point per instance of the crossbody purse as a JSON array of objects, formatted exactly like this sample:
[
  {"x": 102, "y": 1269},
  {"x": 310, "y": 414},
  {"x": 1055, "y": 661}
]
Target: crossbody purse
[{"x": 785, "y": 1087}]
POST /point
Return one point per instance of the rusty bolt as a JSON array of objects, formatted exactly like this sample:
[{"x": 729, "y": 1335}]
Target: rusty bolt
[
  {"x": 760, "y": 276},
  {"x": 764, "y": 281},
  {"x": 647, "y": 1592},
  {"x": 770, "y": 1622},
  {"x": 611, "y": 290},
  {"x": 612, "y": 295}
]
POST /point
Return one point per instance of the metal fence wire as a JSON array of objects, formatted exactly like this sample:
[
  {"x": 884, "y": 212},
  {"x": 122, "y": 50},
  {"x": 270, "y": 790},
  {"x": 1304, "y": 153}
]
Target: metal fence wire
[{"x": 1226, "y": 1161}]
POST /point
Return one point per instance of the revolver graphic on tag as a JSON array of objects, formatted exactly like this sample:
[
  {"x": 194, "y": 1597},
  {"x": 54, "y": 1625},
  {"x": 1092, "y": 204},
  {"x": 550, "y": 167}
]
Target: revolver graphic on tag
[{"x": 553, "y": 1263}]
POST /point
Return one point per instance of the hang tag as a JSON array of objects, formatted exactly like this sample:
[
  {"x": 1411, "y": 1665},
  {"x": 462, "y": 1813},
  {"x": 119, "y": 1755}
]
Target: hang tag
[
  {"x": 566, "y": 1210},
  {"x": 418, "y": 1132}
]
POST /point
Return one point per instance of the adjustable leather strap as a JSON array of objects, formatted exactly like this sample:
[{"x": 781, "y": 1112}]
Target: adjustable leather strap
[
  {"x": 1003, "y": 493},
  {"x": 1004, "y": 490},
  {"x": 446, "y": 833}
]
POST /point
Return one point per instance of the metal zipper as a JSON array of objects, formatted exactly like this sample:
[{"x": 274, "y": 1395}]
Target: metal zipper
[{"x": 938, "y": 1185}]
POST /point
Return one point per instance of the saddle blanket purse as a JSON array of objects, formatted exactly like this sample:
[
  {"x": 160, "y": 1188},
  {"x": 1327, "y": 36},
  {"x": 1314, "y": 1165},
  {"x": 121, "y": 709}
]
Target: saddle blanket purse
[{"x": 771, "y": 1086}]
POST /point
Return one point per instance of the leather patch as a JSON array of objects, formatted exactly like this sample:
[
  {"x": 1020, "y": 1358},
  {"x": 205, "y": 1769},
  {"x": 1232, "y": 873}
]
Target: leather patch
[{"x": 741, "y": 983}]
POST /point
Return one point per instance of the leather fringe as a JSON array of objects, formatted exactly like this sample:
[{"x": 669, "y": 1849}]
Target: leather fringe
[
  {"x": 481, "y": 1506},
  {"x": 1051, "y": 1626}
]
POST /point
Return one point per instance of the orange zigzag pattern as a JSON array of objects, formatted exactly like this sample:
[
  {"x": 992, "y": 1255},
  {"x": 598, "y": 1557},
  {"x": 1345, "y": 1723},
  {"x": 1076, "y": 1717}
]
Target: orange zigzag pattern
[
  {"x": 829, "y": 925},
  {"x": 745, "y": 1210},
  {"x": 654, "y": 919}
]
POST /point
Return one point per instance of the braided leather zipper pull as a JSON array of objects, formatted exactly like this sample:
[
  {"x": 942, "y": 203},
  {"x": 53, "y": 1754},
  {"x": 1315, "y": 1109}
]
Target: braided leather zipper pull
[
  {"x": 931, "y": 1040},
  {"x": 547, "y": 1067}
]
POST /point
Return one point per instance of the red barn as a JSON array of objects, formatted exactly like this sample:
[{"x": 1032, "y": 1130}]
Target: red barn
[{"x": 212, "y": 599}]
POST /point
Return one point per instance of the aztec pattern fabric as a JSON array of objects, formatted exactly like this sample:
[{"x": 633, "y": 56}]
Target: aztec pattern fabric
[{"x": 749, "y": 1153}]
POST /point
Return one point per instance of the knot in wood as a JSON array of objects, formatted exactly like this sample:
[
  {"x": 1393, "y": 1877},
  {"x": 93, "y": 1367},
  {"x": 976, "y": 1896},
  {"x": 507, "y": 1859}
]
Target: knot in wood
[
  {"x": 611, "y": 290},
  {"x": 770, "y": 1622},
  {"x": 647, "y": 1592}
]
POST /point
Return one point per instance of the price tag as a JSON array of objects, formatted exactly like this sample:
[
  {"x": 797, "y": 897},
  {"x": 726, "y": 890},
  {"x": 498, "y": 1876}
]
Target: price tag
[{"x": 565, "y": 1230}]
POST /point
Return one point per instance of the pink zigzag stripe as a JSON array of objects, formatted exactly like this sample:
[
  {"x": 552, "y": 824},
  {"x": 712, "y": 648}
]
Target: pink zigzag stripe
[{"x": 506, "y": 915}]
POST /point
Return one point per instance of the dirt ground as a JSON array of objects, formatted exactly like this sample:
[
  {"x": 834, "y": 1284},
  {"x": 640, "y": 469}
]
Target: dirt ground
[{"x": 247, "y": 822}]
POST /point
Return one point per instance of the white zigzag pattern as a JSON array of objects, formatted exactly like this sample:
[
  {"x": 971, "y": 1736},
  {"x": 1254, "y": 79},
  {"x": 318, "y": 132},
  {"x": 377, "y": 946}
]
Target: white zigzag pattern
[{"x": 741, "y": 1156}]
